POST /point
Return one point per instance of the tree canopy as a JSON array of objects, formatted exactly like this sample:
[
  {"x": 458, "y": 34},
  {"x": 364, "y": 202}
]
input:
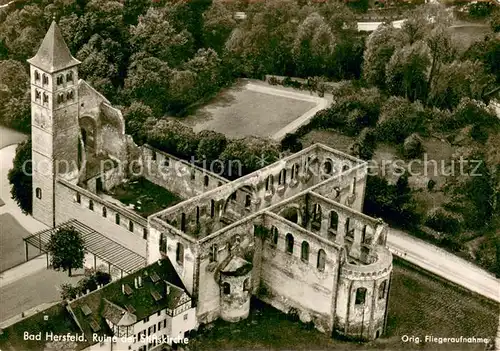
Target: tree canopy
[{"x": 66, "y": 249}]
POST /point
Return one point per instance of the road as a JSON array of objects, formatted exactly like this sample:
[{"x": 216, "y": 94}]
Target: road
[{"x": 444, "y": 264}]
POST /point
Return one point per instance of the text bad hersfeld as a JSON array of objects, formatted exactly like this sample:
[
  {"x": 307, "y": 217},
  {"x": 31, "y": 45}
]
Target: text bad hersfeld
[{"x": 50, "y": 336}]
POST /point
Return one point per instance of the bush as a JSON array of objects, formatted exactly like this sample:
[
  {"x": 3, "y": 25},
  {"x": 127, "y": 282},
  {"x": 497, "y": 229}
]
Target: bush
[
  {"x": 412, "y": 146},
  {"x": 273, "y": 80},
  {"x": 399, "y": 118},
  {"x": 211, "y": 145},
  {"x": 444, "y": 221},
  {"x": 365, "y": 145},
  {"x": 291, "y": 143},
  {"x": 174, "y": 137}
]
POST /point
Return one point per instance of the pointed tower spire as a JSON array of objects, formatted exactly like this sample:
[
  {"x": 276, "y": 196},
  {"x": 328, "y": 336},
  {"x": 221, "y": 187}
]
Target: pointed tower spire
[{"x": 53, "y": 55}]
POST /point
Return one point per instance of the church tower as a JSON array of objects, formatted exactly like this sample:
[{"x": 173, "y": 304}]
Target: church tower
[{"x": 54, "y": 121}]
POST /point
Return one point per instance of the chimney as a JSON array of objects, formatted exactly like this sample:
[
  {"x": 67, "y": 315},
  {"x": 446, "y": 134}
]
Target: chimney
[
  {"x": 135, "y": 283},
  {"x": 139, "y": 281},
  {"x": 123, "y": 289}
]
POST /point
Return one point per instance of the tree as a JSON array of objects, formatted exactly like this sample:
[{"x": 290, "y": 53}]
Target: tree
[
  {"x": 380, "y": 46},
  {"x": 218, "y": 23},
  {"x": 457, "y": 80},
  {"x": 14, "y": 95},
  {"x": 66, "y": 249},
  {"x": 495, "y": 21},
  {"x": 488, "y": 52},
  {"x": 174, "y": 137},
  {"x": 406, "y": 72},
  {"x": 182, "y": 91},
  {"x": 157, "y": 37},
  {"x": 206, "y": 67},
  {"x": 211, "y": 145},
  {"x": 135, "y": 117},
  {"x": 20, "y": 178}
]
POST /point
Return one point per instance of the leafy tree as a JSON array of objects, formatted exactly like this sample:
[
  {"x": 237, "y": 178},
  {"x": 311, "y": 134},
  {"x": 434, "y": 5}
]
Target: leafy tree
[
  {"x": 157, "y": 37},
  {"x": 174, "y": 137},
  {"x": 148, "y": 81},
  {"x": 211, "y": 145},
  {"x": 218, "y": 23},
  {"x": 20, "y": 178},
  {"x": 132, "y": 9},
  {"x": 488, "y": 52},
  {"x": 347, "y": 59},
  {"x": 135, "y": 117},
  {"x": 66, "y": 249},
  {"x": 206, "y": 68},
  {"x": 14, "y": 95},
  {"x": 380, "y": 46},
  {"x": 399, "y": 118},
  {"x": 458, "y": 80},
  {"x": 406, "y": 72},
  {"x": 181, "y": 91},
  {"x": 365, "y": 145}
]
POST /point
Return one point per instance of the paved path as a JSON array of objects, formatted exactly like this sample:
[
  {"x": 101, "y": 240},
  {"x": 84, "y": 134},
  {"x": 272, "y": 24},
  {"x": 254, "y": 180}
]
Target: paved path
[{"x": 444, "y": 264}]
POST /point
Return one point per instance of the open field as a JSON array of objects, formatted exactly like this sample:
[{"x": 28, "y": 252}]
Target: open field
[
  {"x": 144, "y": 197},
  {"x": 251, "y": 109},
  {"x": 12, "y": 251},
  {"x": 419, "y": 305}
]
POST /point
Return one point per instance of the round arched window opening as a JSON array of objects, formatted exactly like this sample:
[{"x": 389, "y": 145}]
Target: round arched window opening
[{"x": 328, "y": 167}]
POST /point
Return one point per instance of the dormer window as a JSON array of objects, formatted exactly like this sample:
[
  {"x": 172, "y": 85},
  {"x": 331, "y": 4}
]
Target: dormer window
[
  {"x": 45, "y": 98},
  {"x": 38, "y": 95},
  {"x": 37, "y": 76},
  {"x": 69, "y": 76},
  {"x": 60, "y": 79},
  {"x": 45, "y": 79},
  {"x": 70, "y": 95},
  {"x": 60, "y": 98}
]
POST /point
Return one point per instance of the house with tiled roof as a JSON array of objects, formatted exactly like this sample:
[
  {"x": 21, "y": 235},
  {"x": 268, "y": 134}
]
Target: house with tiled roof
[{"x": 139, "y": 312}]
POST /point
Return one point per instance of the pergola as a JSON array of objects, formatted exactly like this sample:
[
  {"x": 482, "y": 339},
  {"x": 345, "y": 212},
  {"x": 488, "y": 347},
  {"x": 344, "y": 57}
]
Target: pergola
[{"x": 95, "y": 243}]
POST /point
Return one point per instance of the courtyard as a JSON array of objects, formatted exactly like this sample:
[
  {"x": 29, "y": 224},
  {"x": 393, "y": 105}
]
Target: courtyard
[{"x": 252, "y": 108}]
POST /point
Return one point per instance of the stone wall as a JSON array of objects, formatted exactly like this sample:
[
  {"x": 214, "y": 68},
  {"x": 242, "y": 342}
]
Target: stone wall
[{"x": 68, "y": 207}]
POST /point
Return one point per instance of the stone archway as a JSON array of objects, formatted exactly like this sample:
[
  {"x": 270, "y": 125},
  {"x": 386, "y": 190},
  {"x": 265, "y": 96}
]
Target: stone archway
[{"x": 292, "y": 213}]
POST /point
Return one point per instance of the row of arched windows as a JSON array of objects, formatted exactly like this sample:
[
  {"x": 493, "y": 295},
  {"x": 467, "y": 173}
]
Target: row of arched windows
[
  {"x": 59, "y": 79},
  {"x": 282, "y": 177},
  {"x": 304, "y": 252},
  {"x": 104, "y": 212},
  {"x": 334, "y": 222},
  {"x": 361, "y": 293}
]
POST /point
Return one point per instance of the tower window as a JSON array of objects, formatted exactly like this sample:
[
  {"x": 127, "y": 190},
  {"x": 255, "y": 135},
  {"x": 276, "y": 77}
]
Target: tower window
[
  {"x": 69, "y": 76},
  {"x": 59, "y": 79},
  {"x": 45, "y": 79},
  {"x": 37, "y": 76},
  {"x": 360, "y": 296},
  {"x": 226, "y": 288},
  {"x": 70, "y": 95},
  {"x": 38, "y": 95},
  {"x": 38, "y": 192},
  {"x": 381, "y": 290},
  {"x": 60, "y": 98},
  {"x": 45, "y": 98}
]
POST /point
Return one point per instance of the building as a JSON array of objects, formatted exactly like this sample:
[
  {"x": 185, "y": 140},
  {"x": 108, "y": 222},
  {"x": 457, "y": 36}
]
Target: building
[{"x": 292, "y": 233}]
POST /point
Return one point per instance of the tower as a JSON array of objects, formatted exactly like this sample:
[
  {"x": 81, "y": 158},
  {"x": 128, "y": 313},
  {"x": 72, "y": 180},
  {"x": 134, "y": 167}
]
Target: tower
[{"x": 54, "y": 120}]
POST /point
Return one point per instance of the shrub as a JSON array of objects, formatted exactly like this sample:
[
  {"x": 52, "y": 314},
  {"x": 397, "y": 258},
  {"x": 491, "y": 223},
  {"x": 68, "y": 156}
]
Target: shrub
[
  {"x": 399, "y": 118},
  {"x": 211, "y": 145},
  {"x": 291, "y": 142},
  {"x": 412, "y": 146},
  {"x": 443, "y": 221},
  {"x": 273, "y": 80},
  {"x": 365, "y": 145}
]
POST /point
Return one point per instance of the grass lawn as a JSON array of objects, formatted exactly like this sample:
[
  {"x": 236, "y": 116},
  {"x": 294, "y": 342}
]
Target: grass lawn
[
  {"x": 145, "y": 197},
  {"x": 238, "y": 112},
  {"x": 419, "y": 305},
  {"x": 12, "y": 250}
]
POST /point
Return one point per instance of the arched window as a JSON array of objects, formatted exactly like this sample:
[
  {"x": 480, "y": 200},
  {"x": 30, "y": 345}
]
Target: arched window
[
  {"x": 60, "y": 98},
  {"x": 45, "y": 98},
  {"x": 38, "y": 95},
  {"x": 295, "y": 171},
  {"x": 197, "y": 215},
  {"x": 205, "y": 180},
  {"x": 70, "y": 95},
  {"x": 334, "y": 220},
  {"x": 274, "y": 235},
  {"x": 233, "y": 196},
  {"x": 363, "y": 234},
  {"x": 131, "y": 226},
  {"x": 320, "y": 264},
  {"x": 183, "y": 222},
  {"x": 104, "y": 212},
  {"x": 282, "y": 177},
  {"x": 328, "y": 167},
  {"x": 248, "y": 201},
  {"x": 289, "y": 243},
  {"x": 37, "y": 76},
  {"x": 166, "y": 162},
  {"x": 59, "y": 79},
  {"x": 91, "y": 205},
  {"x": 316, "y": 217},
  {"x": 212, "y": 208},
  {"x": 269, "y": 182},
  {"x": 360, "y": 296},
  {"x": 246, "y": 284},
  {"x": 38, "y": 193},
  {"x": 381, "y": 290},
  {"x": 69, "y": 76},
  {"x": 45, "y": 79},
  {"x": 153, "y": 156},
  {"x": 354, "y": 185},
  {"x": 179, "y": 254},
  {"x": 193, "y": 175},
  {"x": 163, "y": 243},
  {"x": 214, "y": 251},
  {"x": 304, "y": 252},
  {"x": 145, "y": 233},
  {"x": 226, "y": 288},
  {"x": 348, "y": 231},
  {"x": 117, "y": 218},
  {"x": 337, "y": 192},
  {"x": 78, "y": 198}
]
